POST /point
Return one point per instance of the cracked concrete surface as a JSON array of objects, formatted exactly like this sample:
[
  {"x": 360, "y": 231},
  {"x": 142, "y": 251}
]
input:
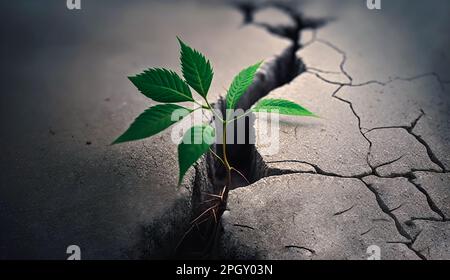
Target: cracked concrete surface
[
  {"x": 376, "y": 162},
  {"x": 334, "y": 218},
  {"x": 336, "y": 132},
  {"x": 434, "y": 240},
  {"x": 61, "y": 182},
  {"x": 437, "y": 187},
  {"x": 385, "y": 121},
  {"x": 403, "y": 200},
  {"x": 395, "y": 151}
]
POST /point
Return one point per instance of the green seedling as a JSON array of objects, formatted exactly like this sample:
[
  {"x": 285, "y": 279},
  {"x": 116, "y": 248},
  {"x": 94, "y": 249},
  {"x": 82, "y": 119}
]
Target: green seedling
[{"x": 167, "y": 87}]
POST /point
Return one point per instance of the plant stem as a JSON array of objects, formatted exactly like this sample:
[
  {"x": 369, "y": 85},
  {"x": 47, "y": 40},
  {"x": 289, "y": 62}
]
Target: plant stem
[{"x": 208, "y": 106}]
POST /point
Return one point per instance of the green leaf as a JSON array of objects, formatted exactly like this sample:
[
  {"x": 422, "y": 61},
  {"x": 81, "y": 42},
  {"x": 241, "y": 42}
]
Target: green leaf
[
  {"x": 162, "y": 85},
  {"x": 195, "y": 143},
  {"x": 197, "y": 70},
  {"x": 240, "y": 85},
  {"x": 283, "y": 107},
  {"x": 152, "y": 121}
]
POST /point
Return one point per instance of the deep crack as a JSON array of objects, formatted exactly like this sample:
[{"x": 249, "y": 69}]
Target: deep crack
[
  {"x": 283, "y": 69},
  {"x": 397, "y": 223},
  {"x": 430, "y": 201},
  {"x": 273, "y": 74}
]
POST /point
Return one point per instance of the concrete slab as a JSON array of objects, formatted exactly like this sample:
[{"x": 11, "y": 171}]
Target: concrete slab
[
  {"x": 434, "y": 241},
  {"x": 306, "y": 216},
  {"x": 322, "y": 59},
  {"x": 396, "y": 151},
  {"x": 314, "y": 140},
  {"x": 66, "y": 97},
  {"x": 403, "y": 200},
  {"x": 69, "y": 186},
  {"x": 395, "y": 41},
  {"x": 437, "y": 186},
  {"x": 400, "y": 101},
  {"x": 434, "y": 128}
]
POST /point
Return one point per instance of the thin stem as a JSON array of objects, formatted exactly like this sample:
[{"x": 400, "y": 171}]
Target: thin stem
[
  {"x": 208, "y": 106},
  {"x": 202, "y": 214}
]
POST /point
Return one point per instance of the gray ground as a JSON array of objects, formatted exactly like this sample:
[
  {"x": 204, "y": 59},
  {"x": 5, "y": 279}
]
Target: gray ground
[{"x": 372, "y": 171}]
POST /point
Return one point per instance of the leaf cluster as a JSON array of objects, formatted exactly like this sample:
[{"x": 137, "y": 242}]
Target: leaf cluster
[{"x": 168, "y": 88}]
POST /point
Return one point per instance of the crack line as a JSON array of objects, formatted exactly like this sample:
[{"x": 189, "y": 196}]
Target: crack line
[
  {"x": 430, "y": 201},
  {"x": 300, "y": 247},
  {"x": 397, "y": 223},
  {"x": 293, "y": 33},
  {"x": 343, "y": 211},
  {"x": 244, "y": 226}
]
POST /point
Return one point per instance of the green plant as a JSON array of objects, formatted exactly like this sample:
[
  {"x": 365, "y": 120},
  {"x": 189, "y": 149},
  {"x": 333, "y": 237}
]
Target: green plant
[{"x": 167, "y": 87}]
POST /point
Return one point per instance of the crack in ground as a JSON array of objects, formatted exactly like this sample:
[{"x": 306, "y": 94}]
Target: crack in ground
[
  {"x": 397, "y": 223},
  {"x": 381, "y": 204},
  {"x": 290, "y": 32},
  {"x": 273, "y": 74},
  {"x": 301, "y": 248},
  {"x": 388, "y": 163},
  {"x": 285, "y": 68},
  {"x": 396, "y": 208},
  {"x": 317, "y": 170},
  {"x": 409, "y": 129},
  {"x": 343, "y": 211},
  {"x": 278, "y": 72},
  {"x": 244, "y": 226},
  {"x": 439, "y": 79},
  {"x": 366, "y": 232},
  {"x": 350, "y": 104},
  {"x": 387, "y": 211},
  {"x": 430, "y": 201}
]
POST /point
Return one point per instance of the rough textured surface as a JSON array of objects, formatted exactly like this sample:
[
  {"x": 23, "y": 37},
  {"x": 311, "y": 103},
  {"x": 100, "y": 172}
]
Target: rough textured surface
[
  {"x": 313, "y": 140},
  {"x": 378, "y": 79},
  {"x": 434, "y": 129},
  {"x": 380, "y": 45},
  {"x": 330, "y": 218},
  {"x": 323, "y": 60},
  {"x": 381, "y": 86},
  {"x": 395, "y": 151},
  {"x": 419, "y": 106},
  {"x": 403, "y": 200},
  {"x": 67, "y": 98},
  {"x": 437, "y": 186},
  {"x": 434, "y": 240}
]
